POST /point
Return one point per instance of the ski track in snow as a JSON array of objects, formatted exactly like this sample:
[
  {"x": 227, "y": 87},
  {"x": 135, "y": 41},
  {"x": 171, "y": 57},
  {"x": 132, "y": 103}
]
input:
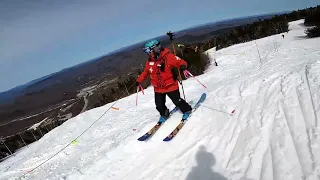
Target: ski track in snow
[{"x": 273, "y": 135}]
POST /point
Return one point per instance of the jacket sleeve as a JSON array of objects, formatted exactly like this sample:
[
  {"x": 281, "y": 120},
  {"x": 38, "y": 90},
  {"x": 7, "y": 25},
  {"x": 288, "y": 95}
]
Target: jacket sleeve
[
  {"x": 144, "y": 74},
  {"x": 176, "y": 61}
]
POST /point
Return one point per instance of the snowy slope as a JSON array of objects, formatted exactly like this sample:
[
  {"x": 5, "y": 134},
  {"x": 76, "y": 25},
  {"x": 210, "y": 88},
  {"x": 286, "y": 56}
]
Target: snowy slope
[{"x": 272, "y": 136}]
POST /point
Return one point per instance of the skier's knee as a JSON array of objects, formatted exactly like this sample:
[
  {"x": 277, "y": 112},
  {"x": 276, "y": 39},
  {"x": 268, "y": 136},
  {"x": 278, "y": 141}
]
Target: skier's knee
[
  {"x": 178, "y": 102},
  {"x": 184, "y": 106}
]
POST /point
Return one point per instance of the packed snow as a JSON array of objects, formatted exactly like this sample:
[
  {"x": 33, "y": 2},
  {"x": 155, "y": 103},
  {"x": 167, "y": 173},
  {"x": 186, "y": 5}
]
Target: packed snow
[{"x": 273, "y": 134}]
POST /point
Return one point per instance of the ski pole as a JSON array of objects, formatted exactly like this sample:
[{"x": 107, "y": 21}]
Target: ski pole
[
  {"x": 182, "y": 90},
  {"x": 180, "y": 81},
  {"x": 232, "y": 112},
  {"x": 137, "y": 96},
  {"x": 186, "y": 73},
  {"x": 170, "y": 34},
  {"x": 204, "y": 105},
  {"x": 142, "y": 90}
]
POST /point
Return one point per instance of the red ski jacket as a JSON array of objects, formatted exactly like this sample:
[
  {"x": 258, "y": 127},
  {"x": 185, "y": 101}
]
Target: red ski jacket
[{"x": 160, "y": 73}]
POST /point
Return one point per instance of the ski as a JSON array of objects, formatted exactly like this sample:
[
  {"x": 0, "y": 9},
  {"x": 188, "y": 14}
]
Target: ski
[
  {"x": 184, "y": 119},
  {"x": 154, "y": 129}
]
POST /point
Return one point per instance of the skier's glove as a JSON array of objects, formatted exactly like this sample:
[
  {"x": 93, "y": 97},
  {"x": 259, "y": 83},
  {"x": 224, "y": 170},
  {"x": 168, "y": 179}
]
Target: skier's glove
[
  {"x": 185, "y": 71},
  {"x": 137, "y": 83}
]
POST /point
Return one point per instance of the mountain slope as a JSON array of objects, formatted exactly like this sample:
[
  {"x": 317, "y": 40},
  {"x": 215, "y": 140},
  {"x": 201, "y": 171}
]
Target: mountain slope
[{"x": 272, "y": 136}]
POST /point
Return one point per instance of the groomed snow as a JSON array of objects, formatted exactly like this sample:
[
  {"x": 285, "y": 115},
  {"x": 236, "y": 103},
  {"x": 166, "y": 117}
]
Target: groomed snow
[{"x": 272, "y": 136}]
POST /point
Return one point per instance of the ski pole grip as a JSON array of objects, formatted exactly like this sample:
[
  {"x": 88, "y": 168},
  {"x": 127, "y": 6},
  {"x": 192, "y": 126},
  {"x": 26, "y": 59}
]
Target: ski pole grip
[{"x": 186, "y": 73}]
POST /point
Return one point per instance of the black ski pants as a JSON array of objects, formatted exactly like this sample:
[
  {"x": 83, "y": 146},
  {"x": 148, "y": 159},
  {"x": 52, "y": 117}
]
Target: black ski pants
[{"x": 160, "y": 100}]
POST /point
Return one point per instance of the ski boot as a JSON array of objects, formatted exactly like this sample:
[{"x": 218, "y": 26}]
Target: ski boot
[
  {"x": 165, "y": 117},
  {"x": 186, "y": 115}
]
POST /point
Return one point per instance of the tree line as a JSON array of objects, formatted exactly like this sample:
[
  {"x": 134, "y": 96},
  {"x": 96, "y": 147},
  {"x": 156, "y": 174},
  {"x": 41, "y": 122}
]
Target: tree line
[
  {"x": 313, "y": 21},
  {"x": 262, "y": 28}
]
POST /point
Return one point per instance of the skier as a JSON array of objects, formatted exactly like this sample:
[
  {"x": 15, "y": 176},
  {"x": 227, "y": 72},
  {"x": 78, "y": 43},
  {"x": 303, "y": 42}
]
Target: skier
[{"x": 159, "y": 67}]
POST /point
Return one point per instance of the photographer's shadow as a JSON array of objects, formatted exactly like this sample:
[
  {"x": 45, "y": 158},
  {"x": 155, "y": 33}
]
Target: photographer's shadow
[{"x": 203, "y": 170}]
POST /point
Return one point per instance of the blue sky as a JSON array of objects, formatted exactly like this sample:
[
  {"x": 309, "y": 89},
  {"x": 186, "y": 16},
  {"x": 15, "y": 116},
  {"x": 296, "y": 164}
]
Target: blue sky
[{"x": 39, "y": 37}]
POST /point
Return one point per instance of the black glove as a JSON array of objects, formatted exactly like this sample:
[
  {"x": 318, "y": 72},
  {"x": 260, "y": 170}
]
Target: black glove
[
  {"x": 137, "y": 83},
  {"x": 183, "y": 67}
]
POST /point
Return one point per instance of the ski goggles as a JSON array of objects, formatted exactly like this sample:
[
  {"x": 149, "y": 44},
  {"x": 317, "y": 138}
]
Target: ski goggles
[{"x": 148, "y": 50}]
